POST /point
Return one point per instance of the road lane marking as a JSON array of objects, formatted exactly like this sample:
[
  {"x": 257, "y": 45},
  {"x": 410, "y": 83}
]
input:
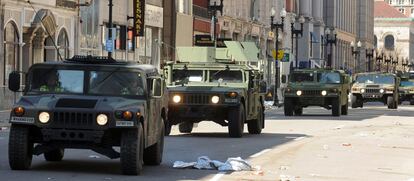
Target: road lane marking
[
  {"x": 218, "y": 176},
  {"x": 260, "y": 153}
]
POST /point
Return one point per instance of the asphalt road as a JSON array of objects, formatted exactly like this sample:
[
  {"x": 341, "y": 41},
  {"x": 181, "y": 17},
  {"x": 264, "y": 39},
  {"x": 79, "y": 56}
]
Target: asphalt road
[{"x": 373, "y": 143}]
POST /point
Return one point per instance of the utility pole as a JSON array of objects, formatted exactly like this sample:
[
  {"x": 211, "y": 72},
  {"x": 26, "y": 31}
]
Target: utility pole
[{"x": 110, "y": 26}]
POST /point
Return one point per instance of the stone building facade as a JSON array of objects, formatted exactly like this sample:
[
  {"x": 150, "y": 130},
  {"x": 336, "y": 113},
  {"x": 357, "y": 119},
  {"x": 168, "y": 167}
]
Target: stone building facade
[{"x": 405, "y": 7}]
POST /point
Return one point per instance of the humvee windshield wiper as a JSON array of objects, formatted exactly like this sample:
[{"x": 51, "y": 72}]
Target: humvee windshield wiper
[
  {"x": 226, "y": 69},
  {"x": 103, "y": 80}
]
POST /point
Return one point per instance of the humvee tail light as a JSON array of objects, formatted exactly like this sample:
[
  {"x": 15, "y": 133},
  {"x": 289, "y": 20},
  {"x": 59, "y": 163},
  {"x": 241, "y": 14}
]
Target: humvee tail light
[
  {"x": 324, "y": 93},
  {"x": 18, "y": 111},
  {"x": 382, "y": 91},
  {"x": 215, "y": 99},
  {"x": 102, "y": 119},
  {"x": 127, "y": 115},
  {"x": 299, "y": 93},
  {"x": 177, "y": 99},
  {"x": 44, "y": 117},
  {"x": 362, "y": 90}
]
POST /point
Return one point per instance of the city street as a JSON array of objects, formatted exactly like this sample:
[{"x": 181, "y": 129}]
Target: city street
[{"x": 373, "y": 143}]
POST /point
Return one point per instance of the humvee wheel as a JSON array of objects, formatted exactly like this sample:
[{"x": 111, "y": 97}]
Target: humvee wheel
[
  {"x": 153, "y": 154},
  {"x": 354, "y": 101},
  {"x": 167, "y": 126},
  {"x": 288, "y": 107},
  {"x": 54, "y": 155},
  {"x": 255, "y": 126},
  {"x": 236, "y": 119},
  {"x": 392, "y": 104},
  {"x": 299, "y": 111},
  {"x": 20, "y": 148},
  {"x": 132, "y": 151},
  {"x": 345, "y": 108},
  {"x": 185, "y": 127},
  {"x": 336, "y": 107}
]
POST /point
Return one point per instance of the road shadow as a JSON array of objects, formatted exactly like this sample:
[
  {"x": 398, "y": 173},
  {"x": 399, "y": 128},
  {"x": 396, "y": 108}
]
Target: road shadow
[{"x": 358, "y": 114}]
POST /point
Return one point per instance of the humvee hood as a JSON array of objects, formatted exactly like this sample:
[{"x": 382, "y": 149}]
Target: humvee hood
[
  {"x": 313, "y": 86},
  {"x": 373, "y": 85},
  {"x": 53, "y": 102},
  {"x": 209, "y": 89}
]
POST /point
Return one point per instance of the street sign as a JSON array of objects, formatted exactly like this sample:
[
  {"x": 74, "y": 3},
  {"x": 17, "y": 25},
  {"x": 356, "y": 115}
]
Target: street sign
[
  {"x": 280, "y": 54},
  {"x": 286, "y": 57},
  {"x": 109, "y": 45},
  {"x": 139, "y": 17}
]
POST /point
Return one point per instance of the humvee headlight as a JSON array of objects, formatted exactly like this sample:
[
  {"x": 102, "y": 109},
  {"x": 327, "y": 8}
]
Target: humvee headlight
[
  {"x": 362, "y": 90},
  {"x": 324, "y": 93},
  {"x": 18, "y": 111},
  {"x": 382, "y": 91},
  {"x": 102, "y": 119},
  {"x": 177, "y": 99},
  {"x": 127, "y": 115},
  {"x": 44, "y": 117},
  {"x": 233, "y": 94},
  {"x": 215, "y": 99},
  {"x": 299, "y": 92}
]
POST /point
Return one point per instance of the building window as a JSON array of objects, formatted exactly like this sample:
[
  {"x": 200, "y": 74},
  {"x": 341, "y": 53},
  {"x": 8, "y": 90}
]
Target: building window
[
  {"x": 375, "y": 41},
  {"x": 400, "y": 2},
  {"x": 389, "y": 42},
  {"x": 11, "y": 50},
  {"x": 63, "y": 44},
  {"x": 402, "y": 10}
]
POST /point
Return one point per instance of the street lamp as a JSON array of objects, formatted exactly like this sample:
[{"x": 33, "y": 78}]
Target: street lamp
[
  {"x": 277, "y": 26},
  {"x": 355, "y": 52},
  {"x": 213, "y": 10},
  {"x": 330, "y": 40},
  {"x": 387, "y": 61},
  {"x": 379, "y": 58},
  {"x": 296, "y": 33},
  {"x": 369, "y": 53}
]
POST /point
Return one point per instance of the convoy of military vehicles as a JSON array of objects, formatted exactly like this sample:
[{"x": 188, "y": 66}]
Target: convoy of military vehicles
[{"x": 98, "y": 103}]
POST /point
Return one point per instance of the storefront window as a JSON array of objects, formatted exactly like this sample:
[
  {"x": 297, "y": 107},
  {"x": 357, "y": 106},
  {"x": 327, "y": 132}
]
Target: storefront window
[
  {"x": 11, "y": 50},
  {"x": 63, "y": 43}
]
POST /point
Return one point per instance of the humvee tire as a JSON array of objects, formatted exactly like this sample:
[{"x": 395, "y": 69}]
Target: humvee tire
[
  {"x": 132, "y": 151},
  {"x": 336, "y": 107},
  {"x": 344, "y": 108},
  {"x": 288, "y": 107},
  {"x": 167, "y": 127},
  {"x": 298, "y": 111},
  {"x": 255, "y": 126},
  {"x": 236, "y": 119},
  {"x": 354, "y": 101},
  {"x": 391, "y": 103},
  {"x": 185, "y": 127},
  {"x": 153, "y": 154},
  {"x": 20, "y": 148},
  {"x": 54, "y": 155}
]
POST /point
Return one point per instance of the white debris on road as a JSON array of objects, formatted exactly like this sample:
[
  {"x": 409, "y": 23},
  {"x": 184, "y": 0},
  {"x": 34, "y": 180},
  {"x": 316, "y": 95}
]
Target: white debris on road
[
  {"x": 94, "y": 156},
  {"x": 204, "y": 162}
]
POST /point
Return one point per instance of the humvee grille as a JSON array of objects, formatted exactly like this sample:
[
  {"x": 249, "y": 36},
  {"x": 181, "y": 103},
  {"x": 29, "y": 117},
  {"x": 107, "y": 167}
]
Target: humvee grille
[
  {"x": 372, "y": 91},
  {"x": 72, "y": 120},
  {"x": 196, "y": 99},
  {"x": 311, "y": 92}
]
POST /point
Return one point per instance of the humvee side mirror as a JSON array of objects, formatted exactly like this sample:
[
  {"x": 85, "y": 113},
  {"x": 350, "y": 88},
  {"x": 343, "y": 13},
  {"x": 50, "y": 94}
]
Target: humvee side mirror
[
  {"x": 14, "y": 81},
  {"x": 157, "y": 87}
]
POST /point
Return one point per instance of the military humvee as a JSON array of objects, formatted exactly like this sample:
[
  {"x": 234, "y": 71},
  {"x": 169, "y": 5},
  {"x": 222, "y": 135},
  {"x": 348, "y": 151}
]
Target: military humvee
[
  {"x": 216, "y": 84},
  {"x": 375, "y": 87},
  {"x": 406, "y": 89},
  {"x": 89, "y": 103},
  {"x": 317, "y": 87}
]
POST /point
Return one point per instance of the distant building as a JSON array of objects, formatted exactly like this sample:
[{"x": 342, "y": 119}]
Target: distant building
[{"x": 405, "y": 7}]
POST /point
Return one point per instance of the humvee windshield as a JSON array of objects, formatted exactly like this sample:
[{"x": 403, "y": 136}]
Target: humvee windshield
[
  {"x": 329, "y": 78},
  {"x": 407, "y": 84},
  {"x": 66, "y": 81},
  {"x": 302, "y": 77},
  {"x": 227, "y": 76},
  {"x": 411, "y": 75},
  {"x": 375, "y": 79},
  {"x": 191, "y": 75}
]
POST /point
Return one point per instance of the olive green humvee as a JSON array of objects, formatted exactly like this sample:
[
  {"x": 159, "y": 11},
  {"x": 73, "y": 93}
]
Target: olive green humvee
[
  {"x": 216, "y": 84},
  {"x": 317, "y": 87},
  {"x": 406, "y": 89},
  {"x": 91, "y": 103},
  {"x": 375, "y": 87}
]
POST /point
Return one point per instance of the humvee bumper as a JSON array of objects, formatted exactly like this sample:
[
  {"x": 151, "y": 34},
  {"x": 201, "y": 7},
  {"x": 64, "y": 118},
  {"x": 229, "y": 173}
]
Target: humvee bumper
[
  {"x": 179, "y": 113},
  {"x": 72, "y": 135},
  {"x": 312, "y": 101}
]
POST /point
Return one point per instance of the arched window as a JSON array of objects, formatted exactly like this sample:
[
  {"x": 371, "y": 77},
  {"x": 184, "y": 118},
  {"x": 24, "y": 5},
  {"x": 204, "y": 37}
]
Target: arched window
[
  {"x": 375, "y": 41},
  {"x": 63, "y": 44},
  {"x": 389, "y": 42},
  {"x": 11, "y": 50}
]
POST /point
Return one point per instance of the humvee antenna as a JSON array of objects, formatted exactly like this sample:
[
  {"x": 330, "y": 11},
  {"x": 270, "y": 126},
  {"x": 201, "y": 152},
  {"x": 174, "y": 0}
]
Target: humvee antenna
[{"x": 47, "y": 31}]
